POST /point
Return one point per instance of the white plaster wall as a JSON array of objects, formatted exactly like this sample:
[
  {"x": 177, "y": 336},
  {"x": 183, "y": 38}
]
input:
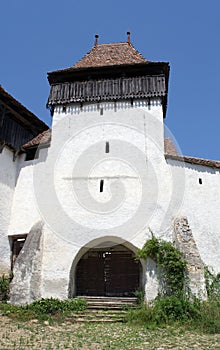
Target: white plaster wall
[
  {"x": 8, "y": 172},
  {"x": 201, "y": 205},
  {"x": 24, "y": 212},
  {"x": 67, "y": 185},
  {"x": 143, "y": 193}
]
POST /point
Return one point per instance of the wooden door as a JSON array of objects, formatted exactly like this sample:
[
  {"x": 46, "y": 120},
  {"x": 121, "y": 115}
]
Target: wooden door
[{"x": 113, "y": 272}]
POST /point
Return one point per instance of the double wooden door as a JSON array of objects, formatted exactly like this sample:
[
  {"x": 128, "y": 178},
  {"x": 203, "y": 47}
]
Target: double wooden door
[{"x": 108, "y": 272}]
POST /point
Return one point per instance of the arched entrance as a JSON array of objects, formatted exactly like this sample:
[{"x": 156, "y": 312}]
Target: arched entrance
[{"x": 108, "y": 272}]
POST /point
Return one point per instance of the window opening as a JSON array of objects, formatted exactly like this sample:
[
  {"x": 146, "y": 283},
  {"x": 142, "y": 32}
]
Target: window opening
[
  {"x": 17, "y": 243},
  {"x": 107, "y": 147},
  {"x": 101, "y": 185},
  {"x": 32, "y": 153}
]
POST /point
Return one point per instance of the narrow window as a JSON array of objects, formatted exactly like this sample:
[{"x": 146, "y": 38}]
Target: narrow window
[
  {"x": 107, "y": 147},
  {"x": 64, "y": 109},
  {"x": 101, "y": 185},
  {"x": 200, "y": 181},
  {"x": 101, "y": 111}
]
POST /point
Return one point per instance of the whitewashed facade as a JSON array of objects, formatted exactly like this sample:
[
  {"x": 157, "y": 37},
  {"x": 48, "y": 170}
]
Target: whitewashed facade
[{"x": 104, "y": 182}]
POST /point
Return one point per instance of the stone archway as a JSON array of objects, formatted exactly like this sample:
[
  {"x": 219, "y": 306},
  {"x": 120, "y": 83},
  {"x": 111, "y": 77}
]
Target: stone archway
[{"x": 108, "y": 271}]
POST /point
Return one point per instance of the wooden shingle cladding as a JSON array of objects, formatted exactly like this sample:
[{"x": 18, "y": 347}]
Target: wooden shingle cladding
[
  {"x": 110, "y": 83},
  {"x": 110, "y": 72},
  {"x": 17, "y": 124},
  {"x": 108, "y": 89}
]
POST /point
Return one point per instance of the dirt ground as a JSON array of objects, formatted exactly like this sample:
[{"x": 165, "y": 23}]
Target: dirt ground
[{"x": 99, "y": 336}]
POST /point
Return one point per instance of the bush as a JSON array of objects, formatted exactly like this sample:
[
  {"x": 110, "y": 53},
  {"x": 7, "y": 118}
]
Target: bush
[
  {"x": 166, "y": 310},
  {"x": 52, "y": 306},
  {"x": 4, "y": 288},
  {"x": 43, "y": 309},
  {"x": 170, "y": 263}
]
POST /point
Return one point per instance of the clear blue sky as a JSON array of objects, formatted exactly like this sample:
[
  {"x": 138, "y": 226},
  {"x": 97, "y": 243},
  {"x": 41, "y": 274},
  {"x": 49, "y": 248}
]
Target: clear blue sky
[{"x": 45, "y": 35}]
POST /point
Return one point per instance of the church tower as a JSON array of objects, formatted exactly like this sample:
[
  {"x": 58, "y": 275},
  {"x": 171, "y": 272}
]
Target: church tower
[
  {"x": 98, "y": 185},
  {"x": 107, "y": 139}
]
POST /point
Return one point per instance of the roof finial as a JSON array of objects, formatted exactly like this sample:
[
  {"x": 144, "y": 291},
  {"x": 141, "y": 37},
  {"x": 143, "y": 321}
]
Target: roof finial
[
  {"x": 96, "y": 39},
  {"x": 129, "y": 37}
]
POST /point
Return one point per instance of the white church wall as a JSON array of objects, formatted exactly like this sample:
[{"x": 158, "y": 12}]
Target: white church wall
[
  {"x": 74, "y": 209},
  {"x": 200, "y": 205},
  {"x": 24, "y": 212},
  {"x": 8, "y": 172},
  {"x": 105, "y": 175}
]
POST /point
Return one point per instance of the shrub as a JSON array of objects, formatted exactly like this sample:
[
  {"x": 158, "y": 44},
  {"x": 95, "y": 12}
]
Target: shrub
[
  {"x": 170, "y": 262},
  {"x": 52, "y": 306},
  {"x": 175, "y": 304},
  {"x": 166, "y": 310},
  {"x": 4, "y": 287}
]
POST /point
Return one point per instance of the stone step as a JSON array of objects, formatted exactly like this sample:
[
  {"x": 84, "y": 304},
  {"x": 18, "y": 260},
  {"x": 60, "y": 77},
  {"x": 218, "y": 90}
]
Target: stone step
[
  {"x": 119, "y": 299},
  {"x": 111, "y": 303},
  {"x": 99, "y": 316}
]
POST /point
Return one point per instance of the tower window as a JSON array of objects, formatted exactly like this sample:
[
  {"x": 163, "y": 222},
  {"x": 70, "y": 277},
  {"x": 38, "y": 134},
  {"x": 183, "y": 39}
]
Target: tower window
[
  {"x": 107, "y": 147},
  {"x": 101, "y": 185},
  {"x": 101, "y": 111},
  {"x": 200, "y": 181}
]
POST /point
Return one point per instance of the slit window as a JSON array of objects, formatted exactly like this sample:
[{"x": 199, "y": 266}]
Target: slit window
[
  {"x": 200, "y": 181},
  {"x": 101, "y": 185},
  {"x": 107, "y": 147}
]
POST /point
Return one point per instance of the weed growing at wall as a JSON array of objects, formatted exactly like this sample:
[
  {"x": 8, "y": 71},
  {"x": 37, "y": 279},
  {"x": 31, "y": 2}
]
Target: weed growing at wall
[
  {"x": 212, "y": 283},
  {"x": 173, "y": 304},
  {"x": 4, "y": 287},
  {"x": 170, "y": 262}
]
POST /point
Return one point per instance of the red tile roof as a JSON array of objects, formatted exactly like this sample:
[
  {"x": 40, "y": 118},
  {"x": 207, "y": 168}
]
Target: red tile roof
[
  {"x": 43, "y": 138},
  {"x": 169, "y": 147},
  {"x": 109, "y": 55},
  {"x": 171, "y": 153},
  {"x": 197, "y": 161}
]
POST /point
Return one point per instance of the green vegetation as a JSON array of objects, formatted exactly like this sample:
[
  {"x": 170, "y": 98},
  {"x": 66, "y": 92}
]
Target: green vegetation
[
  {"x": 174, "y": 320},
  {"x": 4, "y": 287},
  {"x": 175, "y": 304},
  {"x": 44, "y": 309},
  {"x": 171, "y": 264}
]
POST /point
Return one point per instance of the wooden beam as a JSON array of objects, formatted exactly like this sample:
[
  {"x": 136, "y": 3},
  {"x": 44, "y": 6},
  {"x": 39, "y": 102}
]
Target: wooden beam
[{"x": 20, "y": 118}]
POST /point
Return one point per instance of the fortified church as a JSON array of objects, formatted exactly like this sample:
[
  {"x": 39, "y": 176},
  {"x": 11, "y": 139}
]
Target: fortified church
[{"x": 78, "y": 200}]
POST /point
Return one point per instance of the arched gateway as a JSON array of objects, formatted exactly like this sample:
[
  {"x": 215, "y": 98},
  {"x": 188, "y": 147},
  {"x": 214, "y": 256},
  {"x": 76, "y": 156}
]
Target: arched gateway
[{"x": 109, "y": 271}]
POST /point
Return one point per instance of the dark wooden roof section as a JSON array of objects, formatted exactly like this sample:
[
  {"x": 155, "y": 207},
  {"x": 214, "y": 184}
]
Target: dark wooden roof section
[
  {"x": 109, "y": 72},
  {"x": 17, "y": 124}
]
